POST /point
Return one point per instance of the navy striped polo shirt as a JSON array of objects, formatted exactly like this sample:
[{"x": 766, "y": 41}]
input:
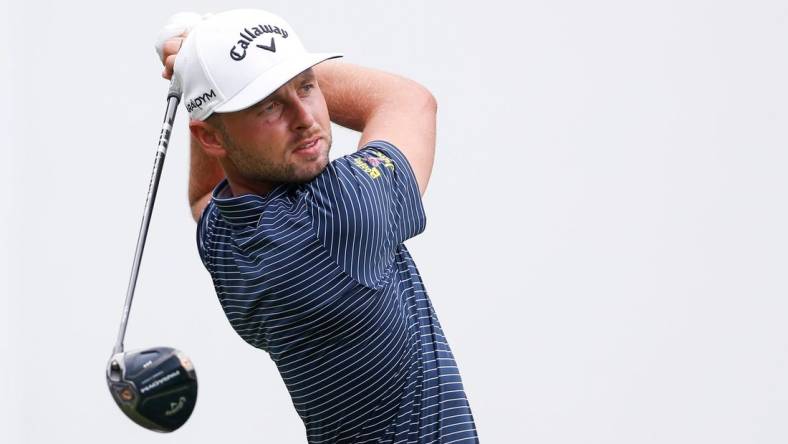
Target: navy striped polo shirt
[{"x": 316, "y": 274}]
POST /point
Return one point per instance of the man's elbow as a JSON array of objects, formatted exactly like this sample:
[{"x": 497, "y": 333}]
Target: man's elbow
[
  {"x": 412, "y": 96},
  {"x": 198, "y": 206},
  {"x": 195, "y": 213},
  {"x": 427, "y": 101},
  {"x": 433, "y": 103}
]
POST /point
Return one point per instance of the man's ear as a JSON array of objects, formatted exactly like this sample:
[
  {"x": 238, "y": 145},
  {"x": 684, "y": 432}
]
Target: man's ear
[{"x": 209, "y": 137}]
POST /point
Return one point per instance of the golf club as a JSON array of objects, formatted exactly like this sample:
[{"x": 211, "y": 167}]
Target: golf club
[{"x": 155, "y": 387}]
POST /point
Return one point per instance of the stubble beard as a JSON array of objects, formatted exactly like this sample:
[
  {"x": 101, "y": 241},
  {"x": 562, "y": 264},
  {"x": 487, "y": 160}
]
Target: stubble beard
[{"x": 258, "y": 169}]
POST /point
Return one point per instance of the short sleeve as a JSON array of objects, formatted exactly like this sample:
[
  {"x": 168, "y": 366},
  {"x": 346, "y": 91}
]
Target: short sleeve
[
  {"x": 363, "y": 206},
  {"x": 203, "y": 234}
]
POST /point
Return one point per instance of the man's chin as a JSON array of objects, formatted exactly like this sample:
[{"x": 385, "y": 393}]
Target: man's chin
[
  {"x": 308, "y": 172},
  {"x": 310, "y": 166}
]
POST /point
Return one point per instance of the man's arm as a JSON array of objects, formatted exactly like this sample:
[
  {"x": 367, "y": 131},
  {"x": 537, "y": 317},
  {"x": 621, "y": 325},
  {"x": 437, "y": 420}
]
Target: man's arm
[
  {"x": 204, "y": 174},
  {"x": 378, "y": 104},
  {"x": 382, "y": 106},
  {"x": 204, "y": 171}
]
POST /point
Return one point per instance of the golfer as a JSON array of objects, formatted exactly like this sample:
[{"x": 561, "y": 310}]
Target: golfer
[{"x": 307, "y": 255}]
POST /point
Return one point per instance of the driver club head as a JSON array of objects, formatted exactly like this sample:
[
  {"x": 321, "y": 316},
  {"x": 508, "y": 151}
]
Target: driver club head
[{"x": 155, "y": 387}]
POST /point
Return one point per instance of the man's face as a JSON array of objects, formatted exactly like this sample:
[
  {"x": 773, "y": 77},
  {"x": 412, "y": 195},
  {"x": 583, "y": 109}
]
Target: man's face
[{"x": 284, "y": 138}]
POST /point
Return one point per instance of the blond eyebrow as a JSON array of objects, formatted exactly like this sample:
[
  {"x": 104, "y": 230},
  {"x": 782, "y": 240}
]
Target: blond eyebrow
[
  {"x": 267, "y": 98},
  {"x": 306, "y": 75}
]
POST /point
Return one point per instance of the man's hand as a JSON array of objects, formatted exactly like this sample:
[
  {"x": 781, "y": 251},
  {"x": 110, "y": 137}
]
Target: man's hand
[
  {"x": 170, "y": 50},
  {"x": 205, "y": 172},
  {"x": 171, "y": 37}
]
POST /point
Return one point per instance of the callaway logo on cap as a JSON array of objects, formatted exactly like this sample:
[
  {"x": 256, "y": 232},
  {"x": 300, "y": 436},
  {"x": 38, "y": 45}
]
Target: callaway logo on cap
[{"x": 234, "y": 59}]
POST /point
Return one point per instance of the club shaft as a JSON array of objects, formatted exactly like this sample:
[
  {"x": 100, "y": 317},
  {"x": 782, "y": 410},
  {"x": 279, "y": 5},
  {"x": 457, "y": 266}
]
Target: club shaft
[{"x": 173, "y": 98}]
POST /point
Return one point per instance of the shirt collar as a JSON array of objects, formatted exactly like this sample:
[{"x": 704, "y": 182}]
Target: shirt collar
[{"x": 245, "y": 209}]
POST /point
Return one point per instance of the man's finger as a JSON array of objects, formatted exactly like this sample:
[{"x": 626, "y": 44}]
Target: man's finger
[
  {"x": 172, "y": 46},
  {"x": 177, "y": 25},
  {"x": 169, "y": 65}
]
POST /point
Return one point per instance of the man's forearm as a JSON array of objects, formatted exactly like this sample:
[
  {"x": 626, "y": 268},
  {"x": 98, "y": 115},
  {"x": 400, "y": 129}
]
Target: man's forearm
[
  {"x": 354, "y": 94},
  {"x": 383, "y": 106},
  {"x": 204, "y": 173}
]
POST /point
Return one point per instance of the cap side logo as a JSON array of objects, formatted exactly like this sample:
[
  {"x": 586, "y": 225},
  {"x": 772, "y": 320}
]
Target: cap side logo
[
  {"x": 200, "y": 100},
  {"x": 238, "y": 51}
]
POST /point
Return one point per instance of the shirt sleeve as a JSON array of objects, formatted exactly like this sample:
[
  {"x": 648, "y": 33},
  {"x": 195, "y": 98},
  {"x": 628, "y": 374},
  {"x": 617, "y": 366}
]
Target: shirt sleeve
[
  {"x": 203, "y": 235},
  {"x": 363, "y": 206}
]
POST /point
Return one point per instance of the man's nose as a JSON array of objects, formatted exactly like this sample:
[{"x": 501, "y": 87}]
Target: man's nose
[{"x": 302, "y": 116}]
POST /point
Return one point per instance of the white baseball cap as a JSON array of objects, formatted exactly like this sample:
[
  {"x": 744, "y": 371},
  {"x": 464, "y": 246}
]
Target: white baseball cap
[{"x": 234, "y": 59}]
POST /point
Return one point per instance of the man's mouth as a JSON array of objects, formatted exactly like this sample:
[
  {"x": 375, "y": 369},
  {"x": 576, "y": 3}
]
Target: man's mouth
[{"x": 308, "y": 145}]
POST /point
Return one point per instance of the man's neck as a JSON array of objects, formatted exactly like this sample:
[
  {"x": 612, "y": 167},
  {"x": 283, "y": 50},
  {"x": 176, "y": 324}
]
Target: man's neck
[{"x": 240, "y": 187}]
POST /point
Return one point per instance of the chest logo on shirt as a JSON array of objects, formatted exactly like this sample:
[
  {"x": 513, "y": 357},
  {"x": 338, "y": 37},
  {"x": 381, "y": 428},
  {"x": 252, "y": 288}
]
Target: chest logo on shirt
[{"x": 371, "y": 160}]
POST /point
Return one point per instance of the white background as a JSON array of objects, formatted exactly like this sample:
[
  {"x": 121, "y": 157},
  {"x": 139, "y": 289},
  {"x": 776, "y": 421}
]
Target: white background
[{"x": 606, "y": 241}]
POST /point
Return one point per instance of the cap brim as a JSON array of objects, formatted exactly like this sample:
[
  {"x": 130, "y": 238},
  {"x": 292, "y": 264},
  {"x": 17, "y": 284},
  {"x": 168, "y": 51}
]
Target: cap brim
[{"x": 269, "y": 81}]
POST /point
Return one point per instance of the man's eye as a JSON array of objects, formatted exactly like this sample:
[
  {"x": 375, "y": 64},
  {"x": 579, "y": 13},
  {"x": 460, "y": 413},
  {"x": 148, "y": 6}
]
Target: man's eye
[
  {"x": 269, "y": 108},
  {"x": 307, "y": 87}
]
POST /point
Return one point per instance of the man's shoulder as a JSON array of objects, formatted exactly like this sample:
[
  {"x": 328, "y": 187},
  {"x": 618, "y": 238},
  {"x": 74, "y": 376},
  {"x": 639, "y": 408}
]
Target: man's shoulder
[{"x": 370, "y": 163}]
